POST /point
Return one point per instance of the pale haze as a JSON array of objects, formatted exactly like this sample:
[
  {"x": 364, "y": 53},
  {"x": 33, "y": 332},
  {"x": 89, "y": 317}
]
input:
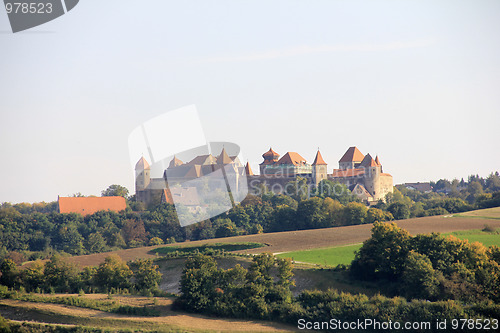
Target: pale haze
[{"x": 416, "y": 82}]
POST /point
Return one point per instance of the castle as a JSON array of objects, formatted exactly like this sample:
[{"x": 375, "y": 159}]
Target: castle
[{"x": 362, "y": 174}]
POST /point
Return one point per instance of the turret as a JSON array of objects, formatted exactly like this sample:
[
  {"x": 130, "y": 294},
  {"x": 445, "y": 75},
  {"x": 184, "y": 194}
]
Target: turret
[
  {"x": 319, "y": 169},
  {"x": 270, "y": 158},
  {"x": 248, "y": 170},
  {"x": 142, "y": 175}
]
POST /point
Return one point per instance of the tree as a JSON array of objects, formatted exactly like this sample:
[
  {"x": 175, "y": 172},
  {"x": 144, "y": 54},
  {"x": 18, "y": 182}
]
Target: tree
[
  {"x": 493, "y": 182},
  {"x": 155, "y": 241},
  {"x": 333, "y": 212},
  {"x": 198, "y": 283},
  {"x": 384, "y": 254},
  {"x": 9, "y": 274},
  {"x": 96, "y": 243},
  {"x": 115, "y": 191},
  {"x": 33, "y": 276},
  {"x": 60, "y": 275},
  {"x": 399, "y": 210},
  {"x": 375, "y": 215},
  {"x": 146, "y": 274},
  {"x": 134, "y": 232},
  {"x": 354, "y": 213},
  {"x": 310, "y": 214},
  {"x": 113, "y": 273},
  {"x": 225, "y": 228},
  {"x": 297, "y": 189},
  {"x": 419, "y": 278}
]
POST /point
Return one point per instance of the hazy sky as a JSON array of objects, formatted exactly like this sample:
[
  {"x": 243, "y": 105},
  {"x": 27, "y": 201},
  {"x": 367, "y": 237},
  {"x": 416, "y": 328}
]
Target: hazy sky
[{"x": 416, "y": 82}]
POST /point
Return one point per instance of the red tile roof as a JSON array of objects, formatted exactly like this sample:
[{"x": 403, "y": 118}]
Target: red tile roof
[
  {"x": 377, "y": 160},
  {"x": 319, "y": 159},
  {"x": 292, "y": 158},
  {"x": 340, "y": 173},
  {"x": 352, "y": 155},
  {"x": 90, "y": 205},
  {"x": 248, "y": 170},
  {"x": 368, "y": 161},
  {"x": 270, "y": 152}
]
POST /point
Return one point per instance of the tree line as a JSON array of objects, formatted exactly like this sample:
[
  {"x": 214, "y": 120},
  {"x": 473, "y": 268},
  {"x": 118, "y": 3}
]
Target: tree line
[
  {"x": 33, "y": 231},
  {"x": 57, "y": 275}
]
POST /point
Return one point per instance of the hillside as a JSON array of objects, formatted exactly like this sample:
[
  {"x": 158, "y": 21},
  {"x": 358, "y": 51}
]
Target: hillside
[{"x": 316, "y": 238}]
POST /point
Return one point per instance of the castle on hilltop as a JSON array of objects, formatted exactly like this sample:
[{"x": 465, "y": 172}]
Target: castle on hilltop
[{"x": 362, "y": 174}]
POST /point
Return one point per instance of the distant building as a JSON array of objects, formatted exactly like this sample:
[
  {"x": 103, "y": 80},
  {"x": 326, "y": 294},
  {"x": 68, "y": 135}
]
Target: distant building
[
  {"x": 90, "y": 205},
  {"x": 421, "y": 187},
  {"x": 179, "y": 174},
  {"x": 361, "y": 174}
]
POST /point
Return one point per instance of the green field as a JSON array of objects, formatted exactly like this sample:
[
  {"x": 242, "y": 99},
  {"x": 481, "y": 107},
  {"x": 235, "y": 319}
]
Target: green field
[
  {"x": 487, "y": 238},
  {"x": 228, "y": 247},
  {"x": 334, "y": 256}
]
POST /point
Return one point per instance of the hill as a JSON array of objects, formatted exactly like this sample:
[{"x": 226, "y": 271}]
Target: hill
[{"x": 317, "y": 238}]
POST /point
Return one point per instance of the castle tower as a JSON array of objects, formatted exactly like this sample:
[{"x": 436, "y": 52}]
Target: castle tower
[
  {"x": 378, "y": 163},
  {"x": 372, "y": 176},
  {"x": 270, "y": 158},
  {"x": 142, "y": 179},
  {"x": 351, "y": 159},
  {"x": 248, "y": 170},
  {"x": 319, "y": 168}
]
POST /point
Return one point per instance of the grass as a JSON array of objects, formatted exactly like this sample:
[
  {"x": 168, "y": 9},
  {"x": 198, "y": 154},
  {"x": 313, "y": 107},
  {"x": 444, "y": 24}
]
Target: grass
[
  {"x": 226, "y": 247},
  {"x": 82, "y": 323},
  {"x": 82, "y": 302},
  {"x": 487, "y": 238},
  {"x": 343, "y": 255},
  {"x": 333, "y": 256}
]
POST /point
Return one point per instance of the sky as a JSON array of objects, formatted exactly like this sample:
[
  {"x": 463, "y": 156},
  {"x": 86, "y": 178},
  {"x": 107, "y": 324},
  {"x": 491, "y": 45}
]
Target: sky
[{"x": 415, "y": 82}]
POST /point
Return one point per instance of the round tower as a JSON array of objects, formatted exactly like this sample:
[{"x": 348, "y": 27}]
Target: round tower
[{"x": 372, "y": 181}]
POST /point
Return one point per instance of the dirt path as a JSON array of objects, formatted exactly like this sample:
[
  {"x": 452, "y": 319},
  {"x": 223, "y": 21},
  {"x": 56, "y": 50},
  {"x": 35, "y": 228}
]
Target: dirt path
[{"x": 59, "y": 314}]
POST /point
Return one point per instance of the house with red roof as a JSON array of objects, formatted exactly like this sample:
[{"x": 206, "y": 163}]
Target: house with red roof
[{"x": 90, "y": 205}]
